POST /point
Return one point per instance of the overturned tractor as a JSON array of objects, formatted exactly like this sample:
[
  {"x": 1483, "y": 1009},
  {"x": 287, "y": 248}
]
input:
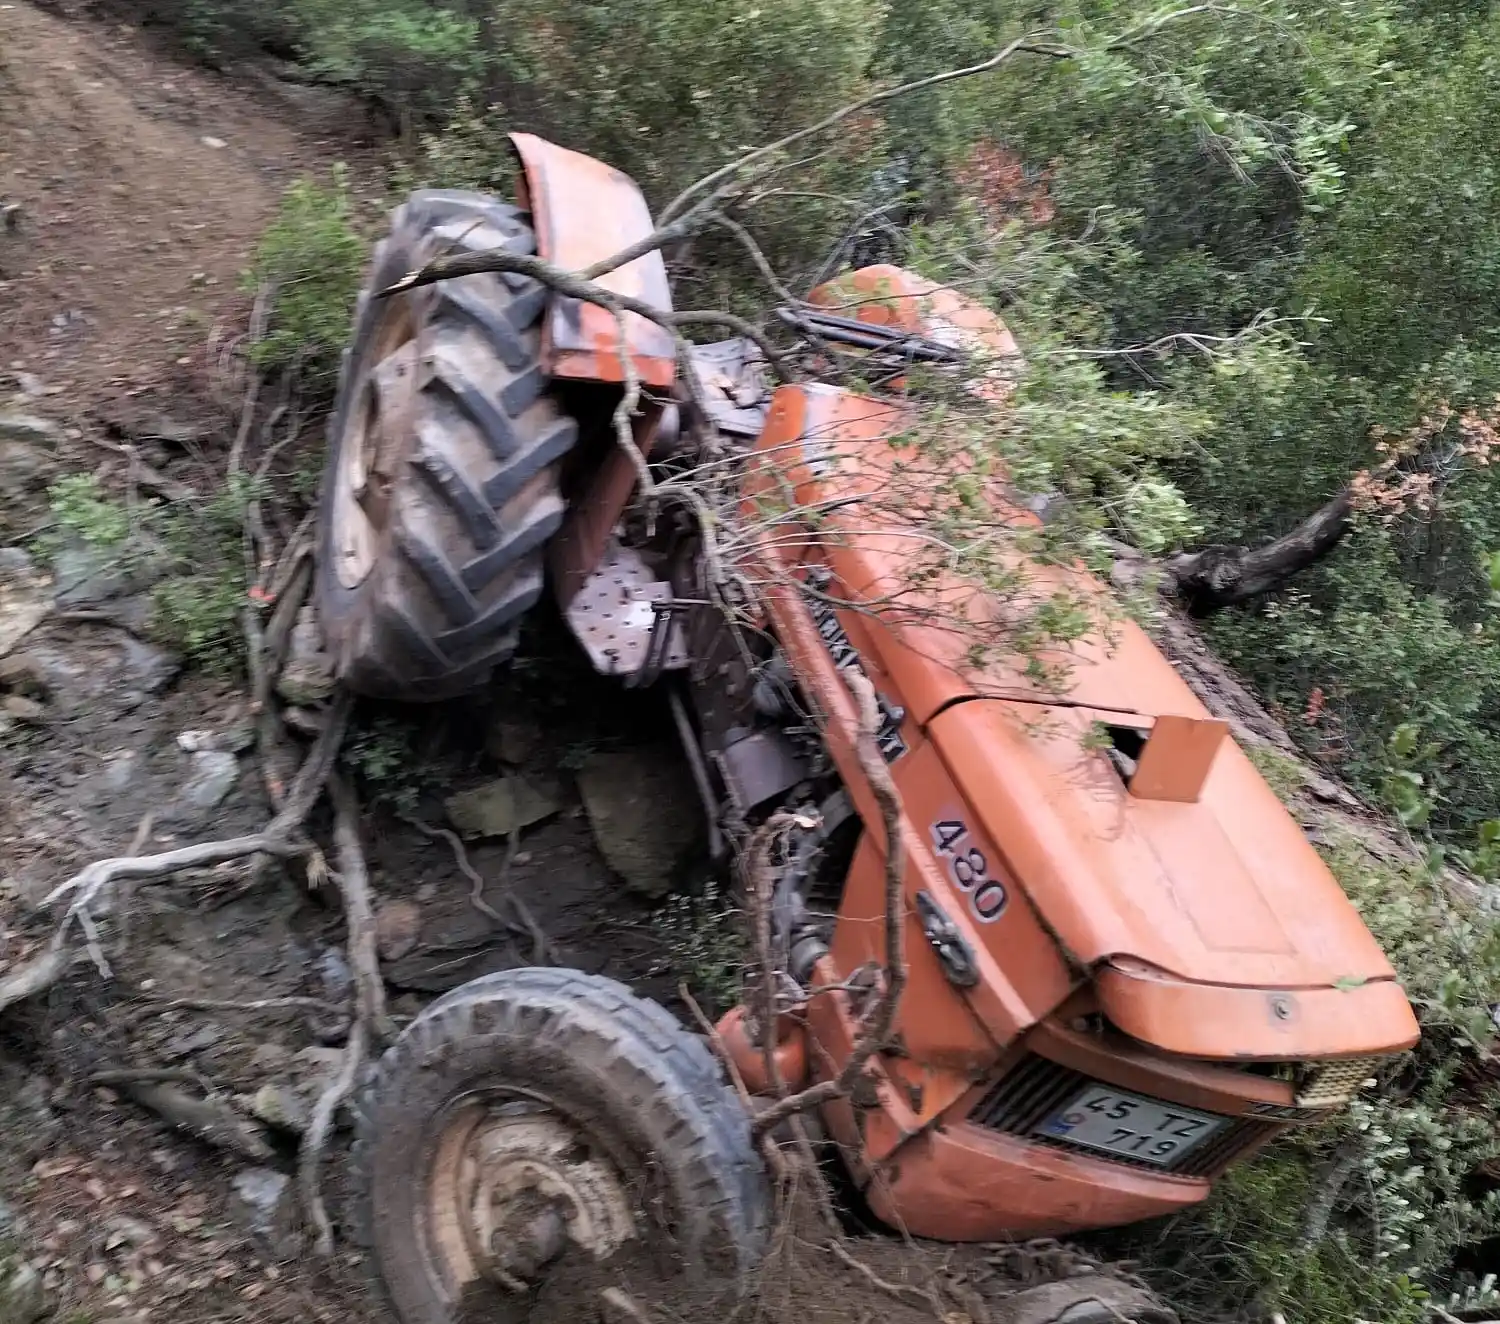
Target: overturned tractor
[{"x": 1124, "y": 967}]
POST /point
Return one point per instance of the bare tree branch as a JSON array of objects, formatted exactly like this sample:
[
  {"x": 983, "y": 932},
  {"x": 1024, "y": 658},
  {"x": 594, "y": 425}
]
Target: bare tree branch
[
  {"x": 1217, "y": 577},
  {"x": 576, "y": 287}
]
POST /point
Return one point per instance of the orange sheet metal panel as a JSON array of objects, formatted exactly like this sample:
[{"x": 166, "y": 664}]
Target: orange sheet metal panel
[
  {"x": 584, "y": 211},
  {"x": 835, "y": 481},
  {"x": 1222, "y": 892},
  {"x": 1178, "y": 757},
  {"x": 1270, "y": 1024},
  {"x": 890, "y": 296},
  {"x": 965, "y": 1183}
]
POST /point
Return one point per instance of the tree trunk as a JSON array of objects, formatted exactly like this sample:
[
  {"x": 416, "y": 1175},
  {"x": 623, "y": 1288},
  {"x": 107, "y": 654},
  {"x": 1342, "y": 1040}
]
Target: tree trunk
[{"x": 1217, "y": 577}]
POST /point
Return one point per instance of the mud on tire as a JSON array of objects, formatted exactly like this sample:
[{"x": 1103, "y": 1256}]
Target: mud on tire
[
  {"x": 441, "y": 484},
  {"x": 641, "y": 1096}
]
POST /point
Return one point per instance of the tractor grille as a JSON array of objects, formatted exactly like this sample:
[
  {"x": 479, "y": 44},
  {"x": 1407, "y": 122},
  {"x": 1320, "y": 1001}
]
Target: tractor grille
[
  {"x": 1326, "y": 1084},
  {"x": 1036, "y": 1088}
]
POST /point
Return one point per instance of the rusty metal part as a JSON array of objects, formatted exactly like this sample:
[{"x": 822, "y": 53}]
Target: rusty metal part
[
  {"x": 510, "y": 1184},
  {"x": 735, "y": 385},
  {"x": 614, "y": 615},
  {"x": 584, "y": 211}
]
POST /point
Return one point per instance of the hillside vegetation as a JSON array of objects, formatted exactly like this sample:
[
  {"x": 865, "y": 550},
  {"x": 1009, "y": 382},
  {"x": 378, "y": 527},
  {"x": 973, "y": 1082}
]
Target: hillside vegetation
[{"x": 1251, "y": 253}]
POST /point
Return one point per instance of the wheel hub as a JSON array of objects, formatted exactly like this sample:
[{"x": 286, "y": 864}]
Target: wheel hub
[{"x": 515, "y": 1189}]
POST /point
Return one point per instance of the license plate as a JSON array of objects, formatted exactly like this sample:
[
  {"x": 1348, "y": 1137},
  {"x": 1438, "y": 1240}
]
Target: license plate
[{"x": 1131, "y": 1126}]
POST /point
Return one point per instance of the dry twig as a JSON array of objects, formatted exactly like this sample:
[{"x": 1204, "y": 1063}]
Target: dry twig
[
  {"x": 370, "y": 1019},
  {"x": 542, "y": 950}
]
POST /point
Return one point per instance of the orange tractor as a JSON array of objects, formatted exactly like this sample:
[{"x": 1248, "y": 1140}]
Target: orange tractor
[{"x": 1127, "y": 969}]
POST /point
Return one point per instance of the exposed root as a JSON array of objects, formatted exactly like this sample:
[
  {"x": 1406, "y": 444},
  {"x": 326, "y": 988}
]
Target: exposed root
[
  {"x": 309, "y": 1157},
  {"x": 86, "y": 885},
  {"x": 370, "y": 1019},
  {"x": 359, "y": 913},
  {"x": 209, "y": 1119},
  {"x": 525, "y": 925},
  {"x": 901, "y": 1291},
  {"x": 37, "y": 975}
]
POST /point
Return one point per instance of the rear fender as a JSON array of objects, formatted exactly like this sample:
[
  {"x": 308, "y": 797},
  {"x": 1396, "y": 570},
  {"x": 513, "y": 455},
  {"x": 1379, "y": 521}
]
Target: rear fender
[{"x": 584, "y": 211}]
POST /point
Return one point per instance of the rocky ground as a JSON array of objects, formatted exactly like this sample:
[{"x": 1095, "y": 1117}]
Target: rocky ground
[{"x": 133, "y": 191}]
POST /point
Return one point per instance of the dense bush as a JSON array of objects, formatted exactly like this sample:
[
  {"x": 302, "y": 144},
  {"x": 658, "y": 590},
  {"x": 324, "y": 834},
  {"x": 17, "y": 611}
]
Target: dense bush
[{"x": 306, "y": 269}]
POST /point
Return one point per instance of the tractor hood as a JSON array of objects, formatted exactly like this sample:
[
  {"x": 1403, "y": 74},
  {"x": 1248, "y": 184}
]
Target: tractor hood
[
  {"x": 1211, "y": 926},
  {"x": 1207, "y": 923}
]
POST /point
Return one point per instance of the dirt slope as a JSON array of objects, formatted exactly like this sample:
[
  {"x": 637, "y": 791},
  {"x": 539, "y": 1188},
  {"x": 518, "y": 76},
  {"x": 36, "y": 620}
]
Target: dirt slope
[{"x": 140, "y": 189}]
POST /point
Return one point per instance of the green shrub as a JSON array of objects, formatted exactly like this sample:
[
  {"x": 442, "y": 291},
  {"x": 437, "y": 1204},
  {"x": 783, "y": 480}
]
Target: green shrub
[
  {"x": 82, "y": 510},
  {"x": 194, "y": 551},
  {"x": 200, "y": 601},
  {"x": 1360, "y": 1218},
  {"x": 309, "y": 264},
  {"x": 410, "y": 56}
]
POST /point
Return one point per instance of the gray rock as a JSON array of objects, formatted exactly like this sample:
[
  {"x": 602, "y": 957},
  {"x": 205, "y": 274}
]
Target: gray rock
[
  {"x": 307, "y": 677},
  {"x": 23, "y": 673},
  {"x": 119, "y": 771},
  {"x": 498, "y": 808},
  {"x": 287, "y": 1104},
  {"x": 88, "y": 576},
  {"x": 10, "y": 1221},
  {"x": 270, "y": 1057},
  {"x": 23, "y": 709},
  {"x": 25, "y": 597},
  {"x": 513, "y": 741},
  {"x": 16, "y": 426},
  {"x": 199, "y": 1039},
  {"x": 333, "y": 969},
  {"x": 213, "y": 776},
  {"x": 233, "y": 740},
  {"x": 645, "y": 814},
  {"x": 148, "y": 668},
  {"x": 23, "y": 1300},
  {"x": 265, "y": 1205},
  {"x": 122, "y": 1230},
  {"x": 280, "y": 1106},
  {"x": 25, "y": 467}
]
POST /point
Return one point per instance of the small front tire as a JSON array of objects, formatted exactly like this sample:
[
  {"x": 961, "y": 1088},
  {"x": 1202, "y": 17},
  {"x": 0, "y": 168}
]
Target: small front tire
[{"x": 536, "y": 1109}]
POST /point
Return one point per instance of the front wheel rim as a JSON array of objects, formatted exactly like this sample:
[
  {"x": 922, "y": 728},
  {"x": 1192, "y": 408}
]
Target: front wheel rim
[{"x": 511, "y": 1183}]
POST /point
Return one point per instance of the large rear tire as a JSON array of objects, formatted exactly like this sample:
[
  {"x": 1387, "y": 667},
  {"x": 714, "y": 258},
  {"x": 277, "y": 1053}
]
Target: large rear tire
[
  {"x": 441, "y": 485},
  {"x": 538, "y": 1113}
]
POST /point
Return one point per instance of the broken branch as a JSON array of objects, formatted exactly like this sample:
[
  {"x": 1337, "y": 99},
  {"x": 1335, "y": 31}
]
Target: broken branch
[
  {"x": 37, "y": 975},
  {"x": 575, "y": 287}
]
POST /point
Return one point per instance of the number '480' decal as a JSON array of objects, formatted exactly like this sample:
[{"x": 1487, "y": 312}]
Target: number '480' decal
[{"x": 968, "y": 870}]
